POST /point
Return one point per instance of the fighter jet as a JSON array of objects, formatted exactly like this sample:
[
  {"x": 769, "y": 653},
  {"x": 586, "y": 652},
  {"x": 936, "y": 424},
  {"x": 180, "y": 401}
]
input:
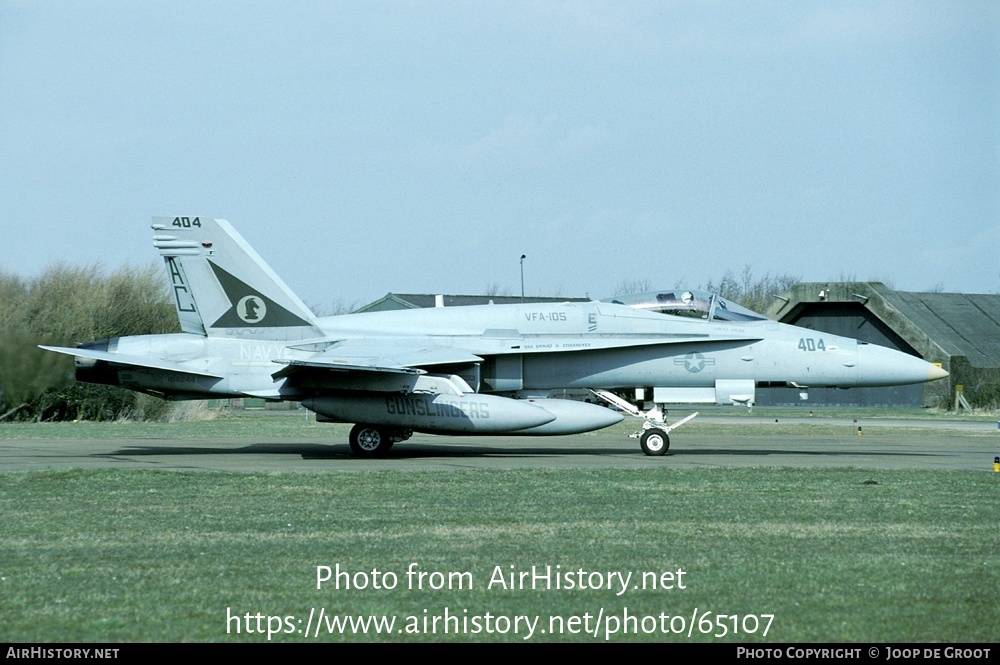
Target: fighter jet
[{"x": 469, "y": 370}]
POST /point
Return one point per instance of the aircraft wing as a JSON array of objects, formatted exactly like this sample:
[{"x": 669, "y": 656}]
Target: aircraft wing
[
  {"x": 390, "y": 356},
  {"x": 391, "y": 363},
  {"x": 516, "y": 343},
  {"x": 124, "y": 360},
  {"x": 409, "y": 355}
]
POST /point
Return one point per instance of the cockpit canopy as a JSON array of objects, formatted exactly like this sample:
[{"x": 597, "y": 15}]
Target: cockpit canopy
[{"x": 689, "y": 304}]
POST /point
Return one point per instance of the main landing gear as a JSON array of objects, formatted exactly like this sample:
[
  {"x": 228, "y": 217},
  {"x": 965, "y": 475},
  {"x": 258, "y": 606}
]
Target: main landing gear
[
  {"x": 654, "y": 437},
  {"x": 373, "y": 441}
]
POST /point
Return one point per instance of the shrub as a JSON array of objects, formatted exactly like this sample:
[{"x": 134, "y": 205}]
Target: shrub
[{"x": 62, "y": 307}]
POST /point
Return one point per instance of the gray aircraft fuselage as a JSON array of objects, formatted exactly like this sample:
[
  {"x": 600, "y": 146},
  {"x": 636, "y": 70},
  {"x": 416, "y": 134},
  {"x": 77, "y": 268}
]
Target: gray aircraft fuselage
[
  {"x": 536, "y": 347},
  {"x": 484, "y": 369}
]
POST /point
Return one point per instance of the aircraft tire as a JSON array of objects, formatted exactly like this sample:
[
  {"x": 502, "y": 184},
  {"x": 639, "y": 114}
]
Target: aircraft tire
[
  {"x": 654, "y": 442},
  {"x": 369, "y": 441}
]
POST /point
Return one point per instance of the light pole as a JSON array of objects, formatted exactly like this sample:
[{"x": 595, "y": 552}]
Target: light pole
[{"x": 523, "y": 257}]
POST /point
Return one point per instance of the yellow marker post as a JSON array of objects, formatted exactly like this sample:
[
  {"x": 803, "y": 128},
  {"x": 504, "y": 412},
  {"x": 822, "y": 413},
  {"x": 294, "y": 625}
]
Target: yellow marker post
[
  {"x": 859, "y": 430},
  {"x": 996, "y": 465}
]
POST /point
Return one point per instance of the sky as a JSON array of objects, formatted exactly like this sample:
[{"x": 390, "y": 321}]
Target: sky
[{"x": 402, "y": 146}]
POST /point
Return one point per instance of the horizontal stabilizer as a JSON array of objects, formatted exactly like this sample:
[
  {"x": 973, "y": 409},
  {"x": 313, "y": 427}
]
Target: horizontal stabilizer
[{"x": 130, "y": 361}]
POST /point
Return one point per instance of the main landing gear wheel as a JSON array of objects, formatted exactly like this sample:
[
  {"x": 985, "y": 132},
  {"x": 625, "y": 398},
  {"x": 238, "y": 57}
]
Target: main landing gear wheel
[
  {"x": 654, "y": 441},
  {"x": 369, "y": 441}
]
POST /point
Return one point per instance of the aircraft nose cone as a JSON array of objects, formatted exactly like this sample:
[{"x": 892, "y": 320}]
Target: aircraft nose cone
[
  {"x": 935, "y": 373},
  {"x": 882, "y": 366}
]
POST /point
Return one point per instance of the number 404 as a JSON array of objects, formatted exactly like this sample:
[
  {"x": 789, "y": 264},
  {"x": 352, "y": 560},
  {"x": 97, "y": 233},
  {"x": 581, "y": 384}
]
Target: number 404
[{"x": 810, "y": 344}]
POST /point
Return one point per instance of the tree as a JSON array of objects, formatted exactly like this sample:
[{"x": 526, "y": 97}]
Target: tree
[{"x": 62, "y": 307}]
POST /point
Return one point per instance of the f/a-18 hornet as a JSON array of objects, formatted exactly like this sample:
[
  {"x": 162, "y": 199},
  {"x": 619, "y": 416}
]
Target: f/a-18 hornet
[{"x": 469, "y": 370}]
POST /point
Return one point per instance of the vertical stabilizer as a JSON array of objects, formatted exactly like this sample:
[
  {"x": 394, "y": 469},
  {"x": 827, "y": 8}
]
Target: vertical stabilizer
[{"x": 221, "y": 286}]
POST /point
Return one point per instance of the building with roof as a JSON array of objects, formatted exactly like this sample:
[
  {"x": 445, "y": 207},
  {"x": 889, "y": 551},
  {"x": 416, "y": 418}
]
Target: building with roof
[
  {"x": 959, "y": 331},
  {"x": 392, "y": 301}
]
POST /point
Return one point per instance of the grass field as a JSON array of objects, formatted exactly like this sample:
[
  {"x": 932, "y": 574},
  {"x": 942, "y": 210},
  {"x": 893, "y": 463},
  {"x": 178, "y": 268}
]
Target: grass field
[
  {"x": 277, "y": 424},
  {"x": 813, "y": 555}
]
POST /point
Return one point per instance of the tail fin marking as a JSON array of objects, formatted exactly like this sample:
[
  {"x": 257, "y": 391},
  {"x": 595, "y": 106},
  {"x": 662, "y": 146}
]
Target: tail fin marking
[
  {"x": 251, "y": 308},
  {"x": 187, "y": 310},
  {"x": 220, "y": 283}
]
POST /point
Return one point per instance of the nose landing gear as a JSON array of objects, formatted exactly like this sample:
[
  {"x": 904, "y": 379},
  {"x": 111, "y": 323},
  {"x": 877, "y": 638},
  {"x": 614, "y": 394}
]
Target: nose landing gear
[{"x": 654, "y": 437}]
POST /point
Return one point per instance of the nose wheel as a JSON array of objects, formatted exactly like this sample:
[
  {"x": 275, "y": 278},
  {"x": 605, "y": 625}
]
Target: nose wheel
[
  {"x": 654, "y": 442},
  {"x": 654, "y": 437}
]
